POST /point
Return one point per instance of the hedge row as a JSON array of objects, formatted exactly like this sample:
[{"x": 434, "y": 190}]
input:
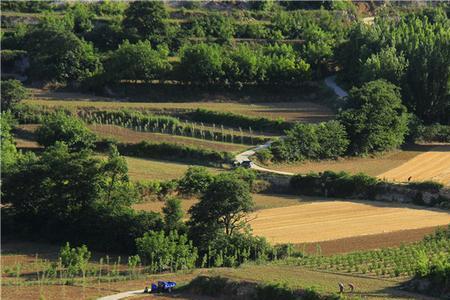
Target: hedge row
[
  {"x": 236, "y": 120},
  {"x": 360, "y": 186},
  {"x": 174, "y": 152},
  {"x": 433, "y": 133}
]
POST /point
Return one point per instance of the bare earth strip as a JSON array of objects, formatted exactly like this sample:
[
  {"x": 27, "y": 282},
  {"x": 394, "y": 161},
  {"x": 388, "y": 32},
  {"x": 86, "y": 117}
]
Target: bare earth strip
[
  {"x": 331, "y": 220},
  {"x": 368, "y": 242},
  {"x": 431, "y": 165}
]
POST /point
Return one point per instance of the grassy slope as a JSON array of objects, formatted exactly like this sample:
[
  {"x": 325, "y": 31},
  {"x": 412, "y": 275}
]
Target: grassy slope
[{"x": 151, "y": 169}]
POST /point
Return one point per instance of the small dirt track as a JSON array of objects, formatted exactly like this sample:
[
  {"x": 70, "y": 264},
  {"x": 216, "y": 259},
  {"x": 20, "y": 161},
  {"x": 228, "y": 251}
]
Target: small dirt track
[
  {"x": 431, "y": 165},
  {"x": 123, "y": 295}
]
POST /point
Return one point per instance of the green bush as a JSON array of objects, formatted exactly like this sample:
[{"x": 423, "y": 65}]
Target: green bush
[
  {"x": 334, "y": 184},
  {"x": 60, "y": 127},
  {"x": 311, "y": 141},
  {"x": 195, "y": 181},
  {"x": 433, "y": 133},
  {"x": 426, "y": 185},
  {"x": 74, "y": 259},
  {"x": 12, "y": 93}
]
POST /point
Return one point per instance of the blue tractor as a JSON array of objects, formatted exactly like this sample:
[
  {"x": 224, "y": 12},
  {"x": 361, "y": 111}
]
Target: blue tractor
[{"x": 161, "y": 287}]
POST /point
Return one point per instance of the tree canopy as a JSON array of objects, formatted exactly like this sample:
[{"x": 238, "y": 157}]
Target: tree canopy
[{"x": 375, "y": 118}]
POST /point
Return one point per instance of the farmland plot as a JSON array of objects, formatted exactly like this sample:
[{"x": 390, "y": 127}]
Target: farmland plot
[
  {"x": 331, "y": 220},
  {"x": 431, "y": 165}
]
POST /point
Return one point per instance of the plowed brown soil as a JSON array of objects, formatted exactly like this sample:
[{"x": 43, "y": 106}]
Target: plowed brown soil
[
  {"x": 331, "y": 220},
  {"x": 368, "y": 242}
]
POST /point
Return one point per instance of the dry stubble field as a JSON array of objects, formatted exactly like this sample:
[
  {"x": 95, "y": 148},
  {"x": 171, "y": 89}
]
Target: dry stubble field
[
  {"x": 331, "y": 220},
  {"x": 431, "y": 165}
]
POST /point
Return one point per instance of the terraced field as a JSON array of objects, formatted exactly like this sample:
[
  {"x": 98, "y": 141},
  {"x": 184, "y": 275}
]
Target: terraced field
[
  {"x": 127, "y": 135},
  {"x": 291, "y": 111},
  {"x": 331, "y": 220}
]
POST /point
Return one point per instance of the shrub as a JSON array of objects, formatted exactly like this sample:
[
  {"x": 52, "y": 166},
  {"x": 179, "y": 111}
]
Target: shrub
[
  {"x": 60, "y": 127},
  {"x": 12, "y": 93},
  {"x": 311, "y": 141},
  {"x": 74, "y": 259},
  {"x": 334, "y": 184},
  {"x": 264, "y": 155},
  {"x": 433, "y": 133},
  {"x": 426, "y": 185}
]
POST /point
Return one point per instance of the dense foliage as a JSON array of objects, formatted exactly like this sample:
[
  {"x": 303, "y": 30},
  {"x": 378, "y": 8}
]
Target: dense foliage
[
  {"x": 60, "y": 127},
  {"x": 409, "y": 50},
  {"x": 375, "y": 118},
  {"x": 12, "y": 93},
  {"x": 311, "y": 141}
]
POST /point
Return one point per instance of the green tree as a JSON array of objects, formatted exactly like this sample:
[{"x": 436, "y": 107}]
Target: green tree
[
  {"x": 137, "y": 62},
  {"x": 145, "y": 18},
  {"x": 284, "y": 66},
  {"x": 63, "y": 128},
  {"x": 375, "y": 118},
  {"x": 119, "y": 191},
  {"x": 224, "y": 207},
  {"x": 74, "y": 259},
  {"x": 173, "y": 215},
  {"x": 59, "y": 55},
  {"x": 201, "y": 63},
  {"x": 8, "y": 147},
  {"x": 12, "y": 92},
  {"x": 213, "y": 25},
  {"x": 172, "y": 251},
  {"x": 387, "y": 64},
  {"x": 57, "y": 185},
  {"x": 195, "y": 181},
  {"x": 83, "y": 17}
]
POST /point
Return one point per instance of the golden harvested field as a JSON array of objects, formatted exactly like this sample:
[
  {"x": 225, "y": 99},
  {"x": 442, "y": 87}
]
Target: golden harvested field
[
  {"x": 294, "y": 111},
  {"x": 432, "y": 165},
  {"x": 373, "y": 166},
  {"x": 127, "y": 135},
  {"x": 331, "y": 220},
  {"x": 151, "y": 169}
]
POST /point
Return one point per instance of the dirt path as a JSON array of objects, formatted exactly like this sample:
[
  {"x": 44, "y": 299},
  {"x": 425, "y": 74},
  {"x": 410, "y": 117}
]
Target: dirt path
[
  {"x": 431, "y": 165},
  {"x": 331, "y": 220}
]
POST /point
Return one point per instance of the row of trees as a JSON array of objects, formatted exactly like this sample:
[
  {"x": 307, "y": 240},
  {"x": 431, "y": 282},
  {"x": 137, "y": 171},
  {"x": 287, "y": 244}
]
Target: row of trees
[
  {"x": 61, "y": 48},
  {"x": 412, "y": 52},
  {"x": 373, "y": 120}
]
